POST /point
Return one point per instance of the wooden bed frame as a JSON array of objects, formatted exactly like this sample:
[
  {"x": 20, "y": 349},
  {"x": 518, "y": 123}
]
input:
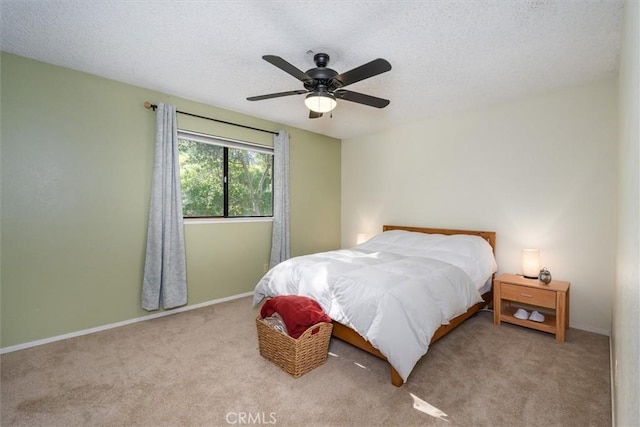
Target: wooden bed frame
[{"x": 347, "y": 334}]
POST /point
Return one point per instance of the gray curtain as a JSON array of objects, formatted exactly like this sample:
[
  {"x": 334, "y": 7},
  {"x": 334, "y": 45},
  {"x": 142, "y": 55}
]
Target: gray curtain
[
  {"x": 280, "y": 240},
  {"x": 165, "y": 279}
]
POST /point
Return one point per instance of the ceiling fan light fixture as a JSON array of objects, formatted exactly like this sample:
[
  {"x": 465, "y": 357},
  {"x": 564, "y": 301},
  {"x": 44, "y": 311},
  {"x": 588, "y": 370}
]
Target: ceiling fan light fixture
[
  {"x": 320, "y": 102},
  {"x": 323, "y": 85}
]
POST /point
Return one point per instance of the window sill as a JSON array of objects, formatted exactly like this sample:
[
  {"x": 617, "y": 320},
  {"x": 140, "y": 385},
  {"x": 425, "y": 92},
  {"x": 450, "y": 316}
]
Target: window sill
[{"x": 189, "y": 221}]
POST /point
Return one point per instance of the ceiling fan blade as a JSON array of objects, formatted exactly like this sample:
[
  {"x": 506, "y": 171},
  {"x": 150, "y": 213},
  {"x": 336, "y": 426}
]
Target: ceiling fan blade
[
  {"x": 361, "y": 98},
  {"x": 276, "y": 95},
  {"x": 314, "y": 115},
  {"x": 370, "y": 69},
  {"x": 287, "y": 68}
]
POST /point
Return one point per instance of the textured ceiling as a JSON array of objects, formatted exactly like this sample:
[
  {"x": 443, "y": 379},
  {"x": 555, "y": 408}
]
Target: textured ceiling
[{"x": 446, "y": 55}]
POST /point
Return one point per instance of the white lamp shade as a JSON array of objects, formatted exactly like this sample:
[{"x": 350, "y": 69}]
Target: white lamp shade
[
  {"x": 320, "y": 102},
  {"x": 530, "y": 263}
]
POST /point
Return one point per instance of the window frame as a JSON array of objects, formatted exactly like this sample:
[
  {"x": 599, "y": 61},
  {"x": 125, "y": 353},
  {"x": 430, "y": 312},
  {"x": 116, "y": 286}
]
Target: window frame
[{"x": 227, "y": 143}]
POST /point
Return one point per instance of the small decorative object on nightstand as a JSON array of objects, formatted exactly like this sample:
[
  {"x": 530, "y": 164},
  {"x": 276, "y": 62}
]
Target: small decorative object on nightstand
[
  {"x": 514, "y": 294},
  {"x": 545, "y": 276}
]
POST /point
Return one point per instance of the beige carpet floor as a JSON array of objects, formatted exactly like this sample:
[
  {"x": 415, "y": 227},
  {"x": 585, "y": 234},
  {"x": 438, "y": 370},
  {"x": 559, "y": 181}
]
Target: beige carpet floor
[{"x": 202, "y": 368}]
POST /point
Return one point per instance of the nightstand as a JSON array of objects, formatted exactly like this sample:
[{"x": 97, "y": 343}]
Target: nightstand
[{"x": 511, "y": 292}]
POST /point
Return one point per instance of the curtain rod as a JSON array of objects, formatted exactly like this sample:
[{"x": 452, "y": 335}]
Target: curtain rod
[{"x": 149, "y": 105}]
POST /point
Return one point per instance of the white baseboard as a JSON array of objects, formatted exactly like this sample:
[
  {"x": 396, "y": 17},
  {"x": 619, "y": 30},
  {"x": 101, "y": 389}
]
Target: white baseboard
[
  {"x": 613, "y": 379},
  {"x": 590, "y": 329},
  {"x": 119, "y": 324}
]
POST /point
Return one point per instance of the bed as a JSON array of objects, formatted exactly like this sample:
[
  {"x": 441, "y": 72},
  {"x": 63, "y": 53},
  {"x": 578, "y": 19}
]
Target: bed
[{"x": 376, "y": 292}]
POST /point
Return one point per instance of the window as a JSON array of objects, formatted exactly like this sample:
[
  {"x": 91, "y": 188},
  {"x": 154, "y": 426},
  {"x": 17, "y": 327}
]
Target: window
[{"x": 223, "y": 178}]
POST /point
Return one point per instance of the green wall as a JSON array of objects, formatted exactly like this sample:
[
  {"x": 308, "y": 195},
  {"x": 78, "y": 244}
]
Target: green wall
[{"x": 77, "y": 155}]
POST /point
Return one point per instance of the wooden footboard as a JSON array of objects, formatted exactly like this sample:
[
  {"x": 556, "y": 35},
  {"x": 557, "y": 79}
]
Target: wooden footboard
[
  {"x": 347, "y": 334},
  {"x": 350, "y": 336}
]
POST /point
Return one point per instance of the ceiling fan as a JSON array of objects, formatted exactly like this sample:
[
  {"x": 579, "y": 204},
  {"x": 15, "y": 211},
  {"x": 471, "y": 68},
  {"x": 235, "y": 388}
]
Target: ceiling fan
[{"x": 324, "y": 85}]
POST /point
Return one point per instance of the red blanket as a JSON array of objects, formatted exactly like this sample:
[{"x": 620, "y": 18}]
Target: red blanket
[{"x": 297, "y": 312}]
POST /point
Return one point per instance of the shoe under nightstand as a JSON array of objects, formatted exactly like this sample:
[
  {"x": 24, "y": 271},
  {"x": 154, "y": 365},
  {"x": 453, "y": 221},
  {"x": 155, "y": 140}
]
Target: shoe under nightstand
[{"x": 511, "y": 292}]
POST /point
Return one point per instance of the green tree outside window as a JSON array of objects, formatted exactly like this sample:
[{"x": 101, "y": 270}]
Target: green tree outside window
[{"x": 249, "y": 183}]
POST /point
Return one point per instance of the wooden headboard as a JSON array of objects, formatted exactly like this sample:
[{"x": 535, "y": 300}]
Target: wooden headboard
[{"x": 489, "y": 236}]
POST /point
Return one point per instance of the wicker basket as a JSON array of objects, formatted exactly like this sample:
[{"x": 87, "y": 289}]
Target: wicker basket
[{"x": 295, "y": 356}]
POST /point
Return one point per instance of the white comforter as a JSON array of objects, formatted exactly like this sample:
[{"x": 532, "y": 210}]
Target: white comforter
[{"x": 394, "y": 300}]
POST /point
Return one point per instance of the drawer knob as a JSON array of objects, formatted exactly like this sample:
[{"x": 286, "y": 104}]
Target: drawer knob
[{"x": 527, "y": 295}]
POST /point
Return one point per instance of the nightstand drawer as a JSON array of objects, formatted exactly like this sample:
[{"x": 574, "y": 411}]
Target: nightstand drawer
[{"x": 526, "y": 295}]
